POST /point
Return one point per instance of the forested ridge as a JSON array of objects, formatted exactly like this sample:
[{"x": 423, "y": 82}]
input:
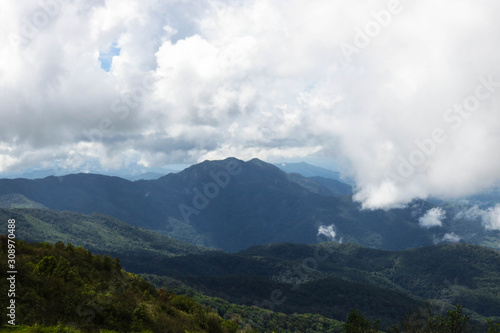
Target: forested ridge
[
  {"x": 321, "y": 283},
  {"x": 66, "y": 288}
]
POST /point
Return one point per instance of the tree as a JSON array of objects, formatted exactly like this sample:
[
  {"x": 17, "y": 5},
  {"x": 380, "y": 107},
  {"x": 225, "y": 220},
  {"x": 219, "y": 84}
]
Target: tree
[
  {"x": 357, "y": 323},
  {"x": 425, "y": 320},
  {"x": 493, "y": 327},
  {"x": 454, "y": 322},
  {"x": 46, "y": 266}
]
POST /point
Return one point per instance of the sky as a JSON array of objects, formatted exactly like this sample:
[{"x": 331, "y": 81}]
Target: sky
[{"x": 401, "y": 96}]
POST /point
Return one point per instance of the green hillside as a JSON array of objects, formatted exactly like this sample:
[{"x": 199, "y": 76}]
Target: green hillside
[
  {"x": 327, "y": 279},
  {"x": 331, "y": 278},
  {"x": 301, "y": 284},
  {"x": 15, "y": 200},
  {"x": 66, "y": 288},
  {"x": 96, "y": 232},
  {"x": 66, "y": 284}
]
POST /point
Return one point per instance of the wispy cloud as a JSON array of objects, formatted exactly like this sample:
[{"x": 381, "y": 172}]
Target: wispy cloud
[
  {"x": 451, "y": 238},
  {"x": 329, "y": 232},
  {"x": 489, "y": 217}
]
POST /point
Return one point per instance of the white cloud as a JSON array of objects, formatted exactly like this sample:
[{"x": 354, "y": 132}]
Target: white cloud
[
  {"x": 451, "y": 238},
  {"x": 261, "y": 78},
  {"x": 329, "y": 231},
  {"x": 432, "y": 218},
  {"x": 489, "y": 217}
]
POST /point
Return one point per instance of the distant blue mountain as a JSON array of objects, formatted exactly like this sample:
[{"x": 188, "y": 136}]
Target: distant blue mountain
[
  {"x": 308, "y": 170},
  {"x": 147, "y": 175},
  {"x": 132, "y": 175}
]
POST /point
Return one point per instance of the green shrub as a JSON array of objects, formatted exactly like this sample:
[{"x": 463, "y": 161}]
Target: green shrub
[{"x": 185, "y": 303}]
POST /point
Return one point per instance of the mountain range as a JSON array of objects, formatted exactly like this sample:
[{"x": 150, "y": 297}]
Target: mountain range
[{"x": 232, "y": 205}]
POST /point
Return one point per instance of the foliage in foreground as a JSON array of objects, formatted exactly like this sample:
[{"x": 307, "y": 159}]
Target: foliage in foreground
[
  {"x": 356, "y": 322},
  {"x": 68, "y": 286},
  {"x": 423, "y": 320},
  {"x": 426, "y": 320},
  {"x": 262, "y": 320},
  {"x": 67, "y": 289}
]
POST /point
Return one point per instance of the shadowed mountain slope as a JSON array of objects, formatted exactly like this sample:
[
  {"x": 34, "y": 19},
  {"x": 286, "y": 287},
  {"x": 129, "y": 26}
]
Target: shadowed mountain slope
[{"x": 232, "y": 205}]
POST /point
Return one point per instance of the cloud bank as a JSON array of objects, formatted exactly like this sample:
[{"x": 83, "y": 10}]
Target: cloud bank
[
  {"x": 404, "y": 95},
  {"x": 490, "y": 218}
]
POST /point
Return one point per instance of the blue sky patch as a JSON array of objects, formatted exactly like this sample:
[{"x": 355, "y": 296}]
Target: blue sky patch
[{"x": 106, "y": 58}]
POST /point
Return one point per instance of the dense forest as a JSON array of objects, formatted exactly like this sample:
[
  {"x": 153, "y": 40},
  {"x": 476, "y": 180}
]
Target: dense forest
[
  {"x": 66, "y": 288},
  {"x": 383, "y": 285},
  {"x": 66, "y": 285},
  {"x": 237, "y": 287}
]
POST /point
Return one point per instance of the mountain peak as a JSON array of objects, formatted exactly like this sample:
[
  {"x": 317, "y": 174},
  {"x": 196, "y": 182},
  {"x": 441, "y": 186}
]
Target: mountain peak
[
  {"x": 217, "y": 163},
  {"x": 261, "y": 163},
  {"x": 256, "y": 161}
]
